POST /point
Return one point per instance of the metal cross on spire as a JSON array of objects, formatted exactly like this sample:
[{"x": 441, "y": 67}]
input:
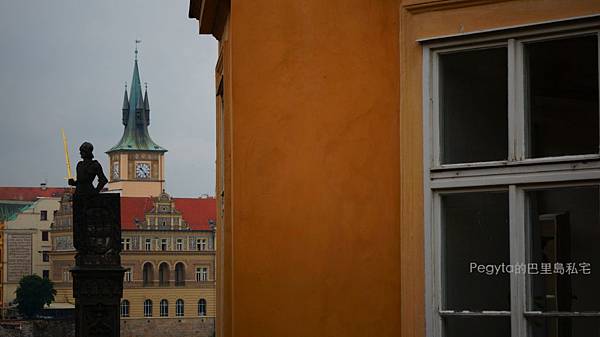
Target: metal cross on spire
[{"x": 136, "y": 48}]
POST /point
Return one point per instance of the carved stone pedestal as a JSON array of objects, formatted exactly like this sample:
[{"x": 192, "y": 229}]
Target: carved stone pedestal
[{"x": 97, "y": 275}]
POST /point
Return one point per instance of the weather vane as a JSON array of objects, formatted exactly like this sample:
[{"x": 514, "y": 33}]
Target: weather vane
[{"x": 136, "y": 47}]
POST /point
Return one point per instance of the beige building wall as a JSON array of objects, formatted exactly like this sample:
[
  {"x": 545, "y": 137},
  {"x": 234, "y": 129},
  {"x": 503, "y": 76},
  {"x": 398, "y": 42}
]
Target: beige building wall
[
  {"x": 135, "y": 291},
  {"x": 24, "y": 245}
]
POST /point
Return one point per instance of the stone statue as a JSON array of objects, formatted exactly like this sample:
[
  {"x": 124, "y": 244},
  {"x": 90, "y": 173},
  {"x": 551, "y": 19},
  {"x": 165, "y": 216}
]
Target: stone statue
[
  {"x": 87, "y": 170},
  {"x": 97, "y": 274},
  {"x": 94, "y": 232}
]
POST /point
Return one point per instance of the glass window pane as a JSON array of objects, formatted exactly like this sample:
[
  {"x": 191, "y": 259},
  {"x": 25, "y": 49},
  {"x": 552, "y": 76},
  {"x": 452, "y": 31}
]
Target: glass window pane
[
  {"x": 563, "y": 96},
  {"x": 473, "y": 106},
  {"x": 564, "y": 237},
  {"x": 477, "y": 326},
  {"x": 565, "y": 327},
  {"x": 475, "y": 230}
]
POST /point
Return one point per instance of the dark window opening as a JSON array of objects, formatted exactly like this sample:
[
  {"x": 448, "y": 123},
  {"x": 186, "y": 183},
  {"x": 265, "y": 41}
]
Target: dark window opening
[
  {"x": 148, "y": 274},
  {"x": 475, "y": 230},
  {"x": 562, "y": 97},
  {"x": 474, "y": 106},
  {"x": 564, "y": 235}
]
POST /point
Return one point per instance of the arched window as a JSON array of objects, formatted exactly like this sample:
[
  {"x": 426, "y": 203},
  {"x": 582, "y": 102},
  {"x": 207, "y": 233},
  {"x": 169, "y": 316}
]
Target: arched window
[
  {"x": 148, "y": 274},
  {"x": 148, "y": 308},
  {"x": 179, "y": 308},
  {"x": 179, "y": 274},
  {"x": 124, "y": 308},
  {"x": 163, "y": 274},
  {"x": 164, "y": 308},
  {"x": 202, "y": 307}
]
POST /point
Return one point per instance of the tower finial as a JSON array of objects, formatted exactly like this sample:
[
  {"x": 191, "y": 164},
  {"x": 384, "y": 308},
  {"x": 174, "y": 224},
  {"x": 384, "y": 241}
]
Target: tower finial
[
  {"x": 136, "y": 48},
  {"x": 146, "y": 86},
  {"x": 125, "y": 85}
]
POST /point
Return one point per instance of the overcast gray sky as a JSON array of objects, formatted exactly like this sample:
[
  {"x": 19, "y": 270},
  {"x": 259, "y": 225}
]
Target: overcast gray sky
[{"x": 63, "y": 63}]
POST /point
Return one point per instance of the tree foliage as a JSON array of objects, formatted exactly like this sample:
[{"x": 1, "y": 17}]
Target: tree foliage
[{"x": 33, "y": 292}]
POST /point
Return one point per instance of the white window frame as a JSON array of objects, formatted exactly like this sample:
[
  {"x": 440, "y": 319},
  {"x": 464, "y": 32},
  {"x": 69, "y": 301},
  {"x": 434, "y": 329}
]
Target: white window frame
[
  {"x": 164, "y": 245},
  {"x": 201, "y": 274},
  {"x": 128, "y": 276},
  {"x": 164, "y": 308},
  {"x": 179, "y": 308},
  {"x": 148, "y": 244},
  {"x": 126, "y": 243},
  {"x": 517, "y": 175},
  {"x": 202, "y": 304},
  {"x": 201, "y": 244},
  {"x": 179, "y": 244},
  {"x": 124, "y": 308},
  {"x": 148, "y": 308}
]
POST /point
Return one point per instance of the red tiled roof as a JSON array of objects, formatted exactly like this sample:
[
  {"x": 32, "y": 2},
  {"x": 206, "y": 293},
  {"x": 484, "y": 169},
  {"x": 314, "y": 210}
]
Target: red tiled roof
[
  {"x": 196, "y": 212},
  {"x": 31, "y": 193}
]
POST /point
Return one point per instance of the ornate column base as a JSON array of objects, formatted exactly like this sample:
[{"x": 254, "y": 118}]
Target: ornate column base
[
  {"x": 97, "y": 275},
  {"x": 97, "y": 295}
]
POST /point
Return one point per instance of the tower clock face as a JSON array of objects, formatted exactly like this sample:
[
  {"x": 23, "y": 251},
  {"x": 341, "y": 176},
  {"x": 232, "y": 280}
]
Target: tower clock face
[
  {"x": 115, "y": 170},
  {"x": 142, "y": 170}
]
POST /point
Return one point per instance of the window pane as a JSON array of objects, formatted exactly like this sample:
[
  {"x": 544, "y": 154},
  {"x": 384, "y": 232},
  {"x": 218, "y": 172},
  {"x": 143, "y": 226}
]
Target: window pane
[
  {"x": 475, "y": 230},
  {"x": 565, "y": 232},
  {"x": 473, "y": 106},
  {"x": 565, "y": 327},
  {"x": 477, "y": 326},
  {"x": 563, "y": 96}
]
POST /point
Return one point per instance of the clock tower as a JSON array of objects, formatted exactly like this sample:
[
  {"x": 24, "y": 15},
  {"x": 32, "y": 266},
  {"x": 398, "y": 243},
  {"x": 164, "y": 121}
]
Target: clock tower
[{"x": 136, "y": 162}]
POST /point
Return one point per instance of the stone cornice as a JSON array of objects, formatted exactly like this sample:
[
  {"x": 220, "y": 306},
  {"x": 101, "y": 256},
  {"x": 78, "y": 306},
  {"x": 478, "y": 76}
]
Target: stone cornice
[{"x": 211, "y": 15}]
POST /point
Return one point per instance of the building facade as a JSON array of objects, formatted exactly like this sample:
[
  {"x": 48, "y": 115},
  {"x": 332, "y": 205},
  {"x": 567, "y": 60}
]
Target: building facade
[
  {"x": 27, "y": 244},
  {"x": 394, "y": 144},
  {"x": 168, "y": 243},
  {"x": 26, "y": 214},
  {"x": 168, "y": 251}
]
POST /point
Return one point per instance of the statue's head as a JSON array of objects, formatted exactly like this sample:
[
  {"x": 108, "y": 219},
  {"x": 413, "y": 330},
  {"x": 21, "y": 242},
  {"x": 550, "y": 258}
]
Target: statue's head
[{"x": 86, "y": 150}]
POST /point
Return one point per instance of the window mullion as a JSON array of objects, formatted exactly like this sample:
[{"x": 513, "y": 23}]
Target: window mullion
[
  {"x": 436, "y": 127},
  {"x": 439, "y": 292},
  {"x": 518, "y": 287},
  {"x": 519, "y": 109},
  {"x": 513, "y": 143}
]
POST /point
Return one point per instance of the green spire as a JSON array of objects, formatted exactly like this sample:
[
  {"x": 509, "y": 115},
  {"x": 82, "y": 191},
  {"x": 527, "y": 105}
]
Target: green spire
[
  {"x": 136, "y": 118},
  {"x": 125, "y": 107}
]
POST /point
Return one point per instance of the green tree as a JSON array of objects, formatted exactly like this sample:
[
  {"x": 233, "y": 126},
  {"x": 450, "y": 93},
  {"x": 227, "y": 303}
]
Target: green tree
[{"x": 33, "y": 292}]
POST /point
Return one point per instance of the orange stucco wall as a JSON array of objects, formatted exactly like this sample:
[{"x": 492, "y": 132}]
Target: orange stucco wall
[
  {"x": 315, "y": 157},
  {"x": 323, "y": 212}
]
